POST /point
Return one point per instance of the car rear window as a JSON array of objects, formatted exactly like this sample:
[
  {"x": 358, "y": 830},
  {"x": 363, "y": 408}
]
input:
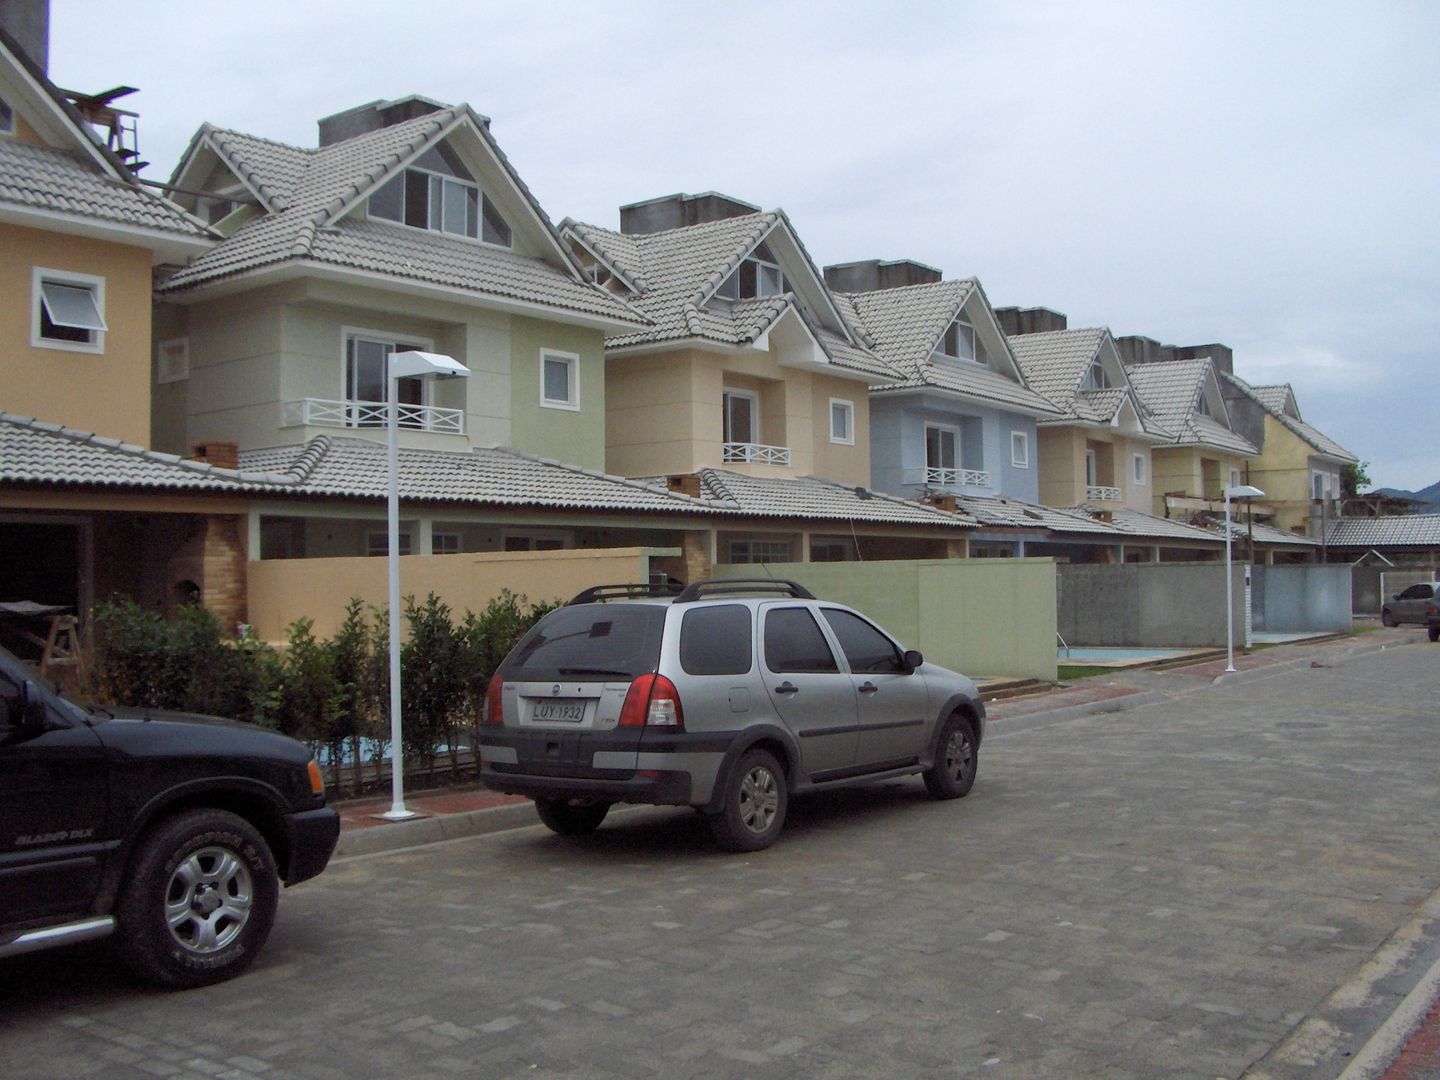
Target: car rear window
[
  {"x": 614, "y": 641},
  {"x": 716, "y": 640}
]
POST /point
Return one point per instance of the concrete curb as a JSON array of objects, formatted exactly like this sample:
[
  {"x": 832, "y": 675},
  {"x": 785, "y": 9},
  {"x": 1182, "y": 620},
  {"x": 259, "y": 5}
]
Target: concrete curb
[
  {"x": 1003, "y": 725},
  {"x": 433, "y": 830}
]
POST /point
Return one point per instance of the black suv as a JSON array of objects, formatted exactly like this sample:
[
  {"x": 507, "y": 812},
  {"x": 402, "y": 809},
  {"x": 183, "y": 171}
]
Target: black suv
[{"x": 171, "y": 831}]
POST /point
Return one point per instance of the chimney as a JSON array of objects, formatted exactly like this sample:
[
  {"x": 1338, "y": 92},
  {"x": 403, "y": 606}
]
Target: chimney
[
  {"x": 1031, "y": 320},
  {"x": 217, "y": 452},
  {"x": 684, "y": 484},
  {"x": 870, "y": 275},
  {"x": 941, "y": 502},
  {"x": 1135, "y": 349},
  {"x": 1222, "y": 356},
  {"x": 28, "y": 24},
  {"x": 678, "y": 210},
  {"x": 373, "y": 116}
]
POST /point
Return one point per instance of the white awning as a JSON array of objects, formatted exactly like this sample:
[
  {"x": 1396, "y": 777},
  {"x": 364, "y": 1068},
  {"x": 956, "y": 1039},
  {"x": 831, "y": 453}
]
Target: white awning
[{"x": 72, "y": 306}]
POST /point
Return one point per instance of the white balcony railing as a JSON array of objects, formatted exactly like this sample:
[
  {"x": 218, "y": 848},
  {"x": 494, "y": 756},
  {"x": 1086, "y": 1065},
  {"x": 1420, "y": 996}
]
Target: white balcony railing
[
  {"x": 369, "y": 414},
  {"x": 957, "y": 477},
  {"x": 1101, "y": 493},
  {"x": 757, "y": 453}
]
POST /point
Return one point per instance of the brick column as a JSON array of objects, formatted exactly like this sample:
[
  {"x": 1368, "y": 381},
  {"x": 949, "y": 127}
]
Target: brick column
[
  {"x": 222, "y": 585},
  {"x": 693, "y": 563}
]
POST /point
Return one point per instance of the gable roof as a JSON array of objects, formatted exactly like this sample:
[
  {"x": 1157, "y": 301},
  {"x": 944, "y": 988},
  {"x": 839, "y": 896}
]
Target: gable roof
[
  {"x": 1279, "y": 402},
  {"x": 905, "y": 323},
  {"x": 308, "y": 195},
  {"x": 1407, "y": 530},
  {"x": 1170, "y": 389},
  {"x": 1055, "y": 363},
  {"x": 676, "y": 273}
]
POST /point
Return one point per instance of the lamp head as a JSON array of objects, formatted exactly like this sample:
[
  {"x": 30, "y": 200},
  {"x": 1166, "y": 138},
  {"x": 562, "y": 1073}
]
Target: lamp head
[{"x": 1243, "y": 491}]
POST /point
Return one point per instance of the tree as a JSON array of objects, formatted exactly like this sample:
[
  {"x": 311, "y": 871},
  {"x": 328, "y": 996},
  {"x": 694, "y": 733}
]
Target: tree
[{"x": 1353, "y": 477}]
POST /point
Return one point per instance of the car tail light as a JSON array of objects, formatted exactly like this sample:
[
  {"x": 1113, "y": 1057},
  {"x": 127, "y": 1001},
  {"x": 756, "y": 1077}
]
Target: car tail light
[
  {"x": 494, "y": 711},
  {"x": 652, "y": 701},
  {"x": 1431, "y": 609}
]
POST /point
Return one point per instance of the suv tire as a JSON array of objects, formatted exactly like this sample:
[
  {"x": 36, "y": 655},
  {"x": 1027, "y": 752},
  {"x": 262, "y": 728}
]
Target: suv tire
[
  {"x": 199, "y": 900},
  {"x": 953, "y": 772},
  {"x": 571, "y": 817},
  {"x": 1433, "y": 633},
  {"x": 754, "y": 803},
  {"x": 1386, "y": 619}
]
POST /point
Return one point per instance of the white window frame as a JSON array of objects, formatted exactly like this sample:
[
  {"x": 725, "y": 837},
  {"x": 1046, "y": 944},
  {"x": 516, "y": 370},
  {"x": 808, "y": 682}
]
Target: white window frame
[
  {"x": 769, "y": 547},
  {"x": 954, "y": 434},
  {"x": 729, "y": 289},
  {"x": 572, "y": 363},
  {"x": 1020, "y": 440},
  {"x": 750, "y": 395},
  {"x": 977, "y": 347},
  {"x": 1137, "y": 469},
  {"x": 1234, "y": 478},
  {"x": 1319, "y": 485},
  {"x": 177, "y": 367},
  {"x": 41, "y": 275},
  {"x": 1096, "y": 377},
  {"x": 434, "y": 213},
  {"x": 384, "y": 337},
  {"x": 377, "y": 543},
  {"x": 848, "y": 409},
  {"x": 450, "y": 541},
  {"x": 1092, "y": 469}
]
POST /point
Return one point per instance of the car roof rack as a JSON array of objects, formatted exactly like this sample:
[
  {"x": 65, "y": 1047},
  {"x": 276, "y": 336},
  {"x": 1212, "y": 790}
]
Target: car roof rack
[
  {"x": 634, "y": 590},
  {"x": 699, "y": 590}
]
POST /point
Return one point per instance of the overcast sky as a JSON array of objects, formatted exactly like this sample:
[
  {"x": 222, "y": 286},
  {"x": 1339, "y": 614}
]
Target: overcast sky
[{"x": 1261, "y": 174}]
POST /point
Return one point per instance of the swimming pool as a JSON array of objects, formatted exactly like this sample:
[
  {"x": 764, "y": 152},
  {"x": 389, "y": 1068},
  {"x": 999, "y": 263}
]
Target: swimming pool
[{"x": 1113, "y": 654}]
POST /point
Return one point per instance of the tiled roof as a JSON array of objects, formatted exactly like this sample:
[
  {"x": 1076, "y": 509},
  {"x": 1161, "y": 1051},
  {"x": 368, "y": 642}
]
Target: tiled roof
[
  {"x": 43, "y": 178},
  {"x": 816, "y": 499},
  {"x": 1264, "y": 534},
  {"x": 678, "y": 270},
  {"x": 1170, "y": 389},
  {"x": 1408, "y": 530},
  {"x": 1273, "y": 400},
  {"x": 306, "y": 189},
  {"x": 997, "y": 511},
  {"x": 1055, "y": 364},
  {"x": 1137, "y": 523},
  {"x": 903, "y": 326}
]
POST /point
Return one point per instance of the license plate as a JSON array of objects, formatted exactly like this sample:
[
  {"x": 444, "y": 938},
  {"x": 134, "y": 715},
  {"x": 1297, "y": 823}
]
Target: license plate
[{"x": 563, "y": 710}]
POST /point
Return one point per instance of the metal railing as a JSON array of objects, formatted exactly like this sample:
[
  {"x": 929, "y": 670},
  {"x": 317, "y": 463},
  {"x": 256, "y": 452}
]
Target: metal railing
[
  {"x": 367, "y": 414},
  {"x": 757, "y": 453},
  {"x": 1102, "y": 493},
  {"x": 957, "y": 477}
]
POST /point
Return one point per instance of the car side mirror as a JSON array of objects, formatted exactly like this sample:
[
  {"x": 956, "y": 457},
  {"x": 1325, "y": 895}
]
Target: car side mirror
[{"x": 913, "y": 660}]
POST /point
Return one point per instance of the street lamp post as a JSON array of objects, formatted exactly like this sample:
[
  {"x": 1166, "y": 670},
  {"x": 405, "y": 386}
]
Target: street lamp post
[
  {"x": 1238, "y": 491},
  {"x": 403, "y": 365}
]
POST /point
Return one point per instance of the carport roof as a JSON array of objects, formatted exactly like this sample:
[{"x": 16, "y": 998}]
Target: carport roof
[{"x": 1409, "y": 530}]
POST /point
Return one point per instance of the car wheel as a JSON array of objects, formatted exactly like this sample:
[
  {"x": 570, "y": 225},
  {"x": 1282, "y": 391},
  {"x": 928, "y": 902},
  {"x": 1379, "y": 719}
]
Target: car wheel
[
  {"x": 199, "y": 900},
  {"x": 1386, "y": 619},
  {"x": 755, "y": 799},
  {"x": 571, "y": 817},
  {"x": 956, "y": 759},
  {"x": 1433, "y": 633}
]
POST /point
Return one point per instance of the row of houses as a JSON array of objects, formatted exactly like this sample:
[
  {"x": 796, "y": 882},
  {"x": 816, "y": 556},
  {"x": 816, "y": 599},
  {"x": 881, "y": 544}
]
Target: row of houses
[{"x": 194, "y": 376}]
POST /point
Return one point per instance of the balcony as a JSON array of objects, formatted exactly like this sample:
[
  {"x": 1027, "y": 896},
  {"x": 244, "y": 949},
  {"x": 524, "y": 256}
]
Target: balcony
[
  {"x": 957, "y": 477},
  {"x": 371, "y": 414},
  {"x": 756, "y": 453},
  {"x": 1101, "y": 493}
]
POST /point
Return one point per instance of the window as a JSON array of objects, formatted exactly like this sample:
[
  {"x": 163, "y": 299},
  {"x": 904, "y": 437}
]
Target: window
[
  {"x": 759, "y": 551},
  {"x": 1317, "y": 485},
  {"x": 832, "y": 549},
  {"x": 7, "y": 118},
  {"x": 612, "y": 637},
  {"x": 367, "y": 367},
  {"x": 1020, "y": 449},
  {"x": 759, "y": 275},
  {"x": 716, "y": 641},
  {"x": 741, "y": 416},
  {"x": 842, "y": 421},
  {"x": 866, "y": 649},
  {"x": 533, "y": 542},
  {"x": 1234, "y": 478},
  {"x": 172, "y": 360},
  {"x": 378, "y": 543},
  {"x": 438, "y": 193},
  {"x": 1138, "y": 468},
  {"x": 445, "y": 543},
  {"x": 794, "y": 642},
  {"x": 1201, "y": 405},
  {"x": 559, "y": 380},
  {"x": 1092, "y": 468},
  {"x": 68, "y": 311},
  {"x": 941, "y": 447},
  {"x": 1095, "y": 378},
  {"x": 960, "y": 342}
]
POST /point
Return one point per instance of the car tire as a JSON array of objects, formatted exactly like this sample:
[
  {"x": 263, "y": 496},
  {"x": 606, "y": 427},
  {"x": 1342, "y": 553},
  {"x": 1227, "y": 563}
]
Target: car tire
[
  {"x": 1433, "y": 633},
  {"x": 1386, "y": 619},
  {"x": 571, "y": 817},
  {"x": 754, "y": 802},
  {"x": 199, "y": 900},
  {"x": 952, "y": 774}
]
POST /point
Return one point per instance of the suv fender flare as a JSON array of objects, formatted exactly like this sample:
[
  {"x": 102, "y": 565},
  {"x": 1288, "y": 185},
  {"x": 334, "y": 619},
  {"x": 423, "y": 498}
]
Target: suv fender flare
[
  {"x": 953, "y": 704},
  {"x": 744, "y": 740}
]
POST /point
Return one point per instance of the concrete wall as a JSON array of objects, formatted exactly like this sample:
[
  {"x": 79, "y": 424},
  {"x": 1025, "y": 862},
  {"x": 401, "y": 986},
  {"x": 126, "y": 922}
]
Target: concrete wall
[
  {"x": 1148, "y": 604},
  {"x": 283, "y": 590},
  {"x": 1288, "y": 599},
  {"x": 983, "y": 617}
]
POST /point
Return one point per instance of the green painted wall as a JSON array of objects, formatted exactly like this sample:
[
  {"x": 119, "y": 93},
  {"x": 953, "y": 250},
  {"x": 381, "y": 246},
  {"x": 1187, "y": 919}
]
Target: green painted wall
[
  {"x": 982, "y": 617},
  {"x": 576, "y": 437}
]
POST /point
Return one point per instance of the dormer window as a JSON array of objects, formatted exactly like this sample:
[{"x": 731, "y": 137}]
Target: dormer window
[
  {"x": 1202, "y": 406},
  {"x": 7, "y": 118},
  {"x": 960, "y": 342},
  {"x": 759, "y": 275},
  {"x": 1095, "y": 378},
  {"x": 438, "y": 193}
]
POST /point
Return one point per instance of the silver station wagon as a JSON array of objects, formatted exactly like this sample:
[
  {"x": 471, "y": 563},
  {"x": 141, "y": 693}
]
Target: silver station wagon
[{"x": 727, "y": 696}]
